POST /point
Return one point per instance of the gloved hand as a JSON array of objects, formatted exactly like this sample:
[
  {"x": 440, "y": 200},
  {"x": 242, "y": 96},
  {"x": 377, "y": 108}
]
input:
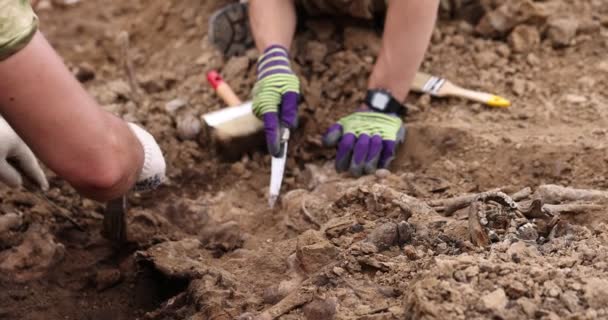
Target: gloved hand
[
  {"x": 275, "y": 95},
  {"x": 153, "y": 170},
  {"x": 366, "y": 140},
  {"x": 24, "y": 161}
]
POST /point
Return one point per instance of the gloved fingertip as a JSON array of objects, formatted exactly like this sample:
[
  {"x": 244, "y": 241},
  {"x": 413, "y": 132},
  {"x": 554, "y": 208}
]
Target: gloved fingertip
[
  {"x": 271, "y": 130},
  {"x": 332, "y": 136},
  {"x": 289, "y": 109}
]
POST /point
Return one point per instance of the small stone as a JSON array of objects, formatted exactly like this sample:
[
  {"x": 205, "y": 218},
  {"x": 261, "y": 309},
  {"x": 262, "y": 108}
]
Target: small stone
[
  {"x": 338, "y": 271},
  {"x": 496, "y": 300},
  {"x": 405, "y": 232},
  {"x": 410, "y": 252},
  {"x": 519, "y": 251},
  {"x": 107, "y": 278},
  {"x": 528, "y": 306},
  {"x": 188, "y": 127},
  {"x": 313, "y": 251},
  {"x": 384, "y": 236},
  {"x": 389, "y": 292},
  {"x": 524, "y": 38},
  {"x": 175, "y": 105},
  {"x": 238, "y": 168},
  {"x": 382, "y": 173},
  {"x": 562, "y": 31}
]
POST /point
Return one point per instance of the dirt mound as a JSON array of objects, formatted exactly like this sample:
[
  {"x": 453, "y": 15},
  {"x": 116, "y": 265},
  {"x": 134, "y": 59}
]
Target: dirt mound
[{"x": 452, "y": 232}]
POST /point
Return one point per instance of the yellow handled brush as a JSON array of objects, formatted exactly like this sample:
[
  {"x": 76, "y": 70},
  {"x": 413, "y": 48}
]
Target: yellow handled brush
[{"x": 440, "y": 87}]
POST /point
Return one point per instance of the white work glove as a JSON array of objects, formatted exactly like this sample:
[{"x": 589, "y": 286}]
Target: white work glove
[
  {"x": 153, "y": 171},
  {"x": 13, "y": 148}
]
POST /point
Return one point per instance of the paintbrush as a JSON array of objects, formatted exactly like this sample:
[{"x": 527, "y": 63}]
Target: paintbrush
[{"x": 440, "y": 87}]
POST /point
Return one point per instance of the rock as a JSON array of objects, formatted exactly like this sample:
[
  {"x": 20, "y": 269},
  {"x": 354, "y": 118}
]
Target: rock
[
  {"x": 405, "y": 232},
  {"x": 384, "y": 236},
  {"x": 320, "y": 309},
  {"x": 188, "y": 127},
  {"x": 496, "y": 300},
  {"x": 509, "y": 15},
  {"x": 596, "y": 292},
  {"x": 313, "y": 251},
  {"x": 10, "y": 221},
  {"x": 528, "y": 306},
  {"x": 562, "y": 31},
  {"x": 382, "y": 173},
  {"x": 524, "y": 38},
  {"x": 519, "y": 251},
  {"x": 107, "y": 278},
  {"x": 175, "y": 105},
  {"x": 236, "y": 67}
]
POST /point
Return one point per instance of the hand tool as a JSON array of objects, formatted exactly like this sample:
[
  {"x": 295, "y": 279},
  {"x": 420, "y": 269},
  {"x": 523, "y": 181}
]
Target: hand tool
[
  {"x": 115, "y": 220},
  {"x": 237, "y": 120},
  {"x": 277, "y": 169},
  {"x": 440, "y": 87}
]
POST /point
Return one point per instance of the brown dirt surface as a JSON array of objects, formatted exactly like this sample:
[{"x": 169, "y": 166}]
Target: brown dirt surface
[{"x": 388, "y": 246}]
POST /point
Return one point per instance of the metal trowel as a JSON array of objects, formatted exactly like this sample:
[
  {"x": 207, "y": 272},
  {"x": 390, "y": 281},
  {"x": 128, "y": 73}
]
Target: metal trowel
[{"x": 238, "y": 123}]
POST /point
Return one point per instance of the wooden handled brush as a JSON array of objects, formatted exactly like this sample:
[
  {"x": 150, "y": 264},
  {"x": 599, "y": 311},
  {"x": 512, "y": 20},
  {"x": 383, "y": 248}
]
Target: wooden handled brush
[{"x": 440, "y": 87}]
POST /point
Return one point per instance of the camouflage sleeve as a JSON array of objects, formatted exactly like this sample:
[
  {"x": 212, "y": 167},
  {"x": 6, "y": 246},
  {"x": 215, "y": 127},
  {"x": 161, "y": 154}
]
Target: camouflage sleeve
[{"x": 18, "y": 24}]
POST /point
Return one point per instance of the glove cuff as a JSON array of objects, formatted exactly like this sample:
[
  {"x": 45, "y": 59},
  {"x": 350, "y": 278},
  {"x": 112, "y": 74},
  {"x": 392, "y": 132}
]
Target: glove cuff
[{"x": 153, "y": 170}]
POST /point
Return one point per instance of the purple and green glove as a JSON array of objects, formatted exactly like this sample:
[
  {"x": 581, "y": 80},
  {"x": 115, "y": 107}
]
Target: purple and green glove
[
  {"x": 275, "y": 95},
  {"x": 366, "y": 140}
]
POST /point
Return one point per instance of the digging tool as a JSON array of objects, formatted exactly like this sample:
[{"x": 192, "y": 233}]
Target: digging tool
[
  {"x": 238, "y": 120},
  {"x": 440, "y": 87},
  {"x": 115, "y": 220}
]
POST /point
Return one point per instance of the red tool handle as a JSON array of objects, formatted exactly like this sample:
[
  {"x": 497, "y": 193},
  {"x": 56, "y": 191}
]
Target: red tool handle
[{"x": 222, "y": 88}]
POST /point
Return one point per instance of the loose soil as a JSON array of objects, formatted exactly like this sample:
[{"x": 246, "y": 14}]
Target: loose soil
[{"x": 206, "y": 246}]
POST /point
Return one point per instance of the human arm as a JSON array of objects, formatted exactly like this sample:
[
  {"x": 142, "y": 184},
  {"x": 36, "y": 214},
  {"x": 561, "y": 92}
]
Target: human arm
[
  {"x": 96, "y": 152},
  {"x": 407, "y": 33},
  {"x": 368, "y": 139},
  {"x": 277, "y": 89}
]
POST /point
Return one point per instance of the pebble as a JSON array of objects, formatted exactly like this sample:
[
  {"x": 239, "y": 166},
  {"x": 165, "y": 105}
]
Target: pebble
[
  {"x": 562, "y": 31},
  {"x": 175, "y": 105},
  {"x": 188, "y": 127},
  {"x": 524, "y": 38},
  {"x": 382, "y": 173},
  {"x": 320, "y": 309},
  {"x": 496, "y": 300}
]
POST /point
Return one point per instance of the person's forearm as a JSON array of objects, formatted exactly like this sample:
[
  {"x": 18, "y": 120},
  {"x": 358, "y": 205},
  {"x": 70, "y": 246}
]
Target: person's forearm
[
  {"x": 407, "y": 33},
  {"x": 93, "y": 150},
  {"x": 272, "y": 22}
]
